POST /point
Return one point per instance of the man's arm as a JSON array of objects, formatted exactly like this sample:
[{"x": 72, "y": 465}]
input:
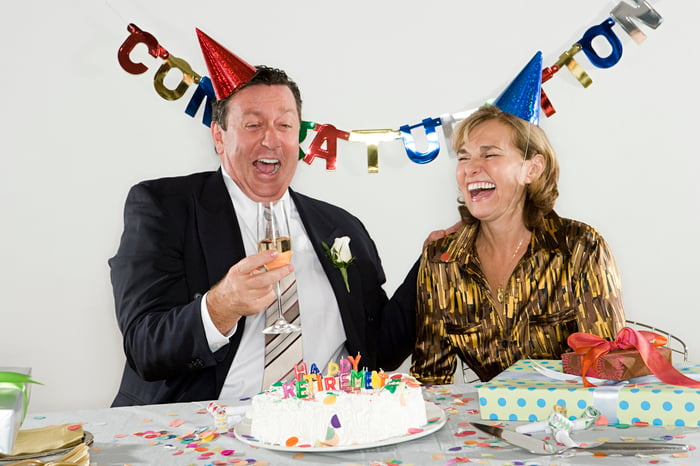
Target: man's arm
[
  {"x": 398, "y": 323},
  {"x": 157, "y": 303},
  {"x": 159, "y": 319}
]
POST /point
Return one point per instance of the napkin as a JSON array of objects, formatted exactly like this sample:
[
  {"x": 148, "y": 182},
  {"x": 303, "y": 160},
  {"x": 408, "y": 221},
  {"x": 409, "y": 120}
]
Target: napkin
[{"x": 30, "y": 441}]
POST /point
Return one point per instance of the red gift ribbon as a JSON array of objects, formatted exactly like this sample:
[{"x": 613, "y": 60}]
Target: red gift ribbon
[{"x": 593, "y": 347}]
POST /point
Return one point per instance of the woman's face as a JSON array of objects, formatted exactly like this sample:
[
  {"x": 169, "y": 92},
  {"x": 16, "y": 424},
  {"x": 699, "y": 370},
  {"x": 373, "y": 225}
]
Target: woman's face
[{"x": 492, "y": 174}]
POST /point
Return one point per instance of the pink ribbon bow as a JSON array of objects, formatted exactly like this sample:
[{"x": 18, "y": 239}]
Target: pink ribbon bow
[{"x": 593, "y": 347}]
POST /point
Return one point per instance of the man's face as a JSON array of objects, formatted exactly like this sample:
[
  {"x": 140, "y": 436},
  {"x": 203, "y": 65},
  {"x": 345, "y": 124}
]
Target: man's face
[{"x": 260, "y": 147}]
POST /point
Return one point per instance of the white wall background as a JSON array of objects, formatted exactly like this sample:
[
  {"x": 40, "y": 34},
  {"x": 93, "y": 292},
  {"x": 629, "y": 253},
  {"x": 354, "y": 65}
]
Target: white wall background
[{"x": 77, "y": 131}]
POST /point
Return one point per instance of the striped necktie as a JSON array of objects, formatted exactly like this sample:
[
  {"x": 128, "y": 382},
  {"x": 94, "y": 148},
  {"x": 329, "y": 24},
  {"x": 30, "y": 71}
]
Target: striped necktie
[{"x": 283, "y": 351}]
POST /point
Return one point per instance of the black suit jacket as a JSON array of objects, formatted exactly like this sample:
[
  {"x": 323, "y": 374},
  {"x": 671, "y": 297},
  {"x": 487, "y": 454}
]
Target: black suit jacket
[{"x": 180, "y": 237}]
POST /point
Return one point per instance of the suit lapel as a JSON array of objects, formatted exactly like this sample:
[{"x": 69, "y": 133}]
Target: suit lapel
[
  {"x": 219, "y": 232},
  {"x": 222, "y": 245},
  {"x": 321, "y": 228}
]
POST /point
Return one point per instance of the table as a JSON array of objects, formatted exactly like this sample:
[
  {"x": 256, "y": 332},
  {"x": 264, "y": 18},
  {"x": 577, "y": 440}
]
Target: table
[{"x": 181, "y": 434}]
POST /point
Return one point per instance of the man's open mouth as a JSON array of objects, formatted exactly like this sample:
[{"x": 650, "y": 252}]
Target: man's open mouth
[{"x": 267, "y": 166}]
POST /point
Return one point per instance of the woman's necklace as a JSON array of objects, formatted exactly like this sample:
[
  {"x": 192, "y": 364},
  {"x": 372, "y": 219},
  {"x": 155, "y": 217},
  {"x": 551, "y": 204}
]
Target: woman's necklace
[{"x": 500, "y": 292}]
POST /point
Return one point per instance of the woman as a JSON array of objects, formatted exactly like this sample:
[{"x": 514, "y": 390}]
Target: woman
[{"x": 516, "y": 279}]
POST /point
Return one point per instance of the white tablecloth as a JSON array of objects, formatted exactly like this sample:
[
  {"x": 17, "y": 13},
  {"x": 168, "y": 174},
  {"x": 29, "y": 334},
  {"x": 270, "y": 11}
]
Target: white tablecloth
[{"x": 173, "y": 435}]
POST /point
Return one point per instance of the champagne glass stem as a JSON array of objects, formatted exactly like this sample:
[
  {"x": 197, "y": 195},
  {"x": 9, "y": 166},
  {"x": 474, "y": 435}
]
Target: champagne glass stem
[{"x": 280, "y": 314}]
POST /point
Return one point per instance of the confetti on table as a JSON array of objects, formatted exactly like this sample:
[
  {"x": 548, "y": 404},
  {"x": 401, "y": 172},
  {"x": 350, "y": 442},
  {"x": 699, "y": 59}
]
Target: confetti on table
[
  {"x": 458, "y": 459},
  {"x": 176, "y": 423}
]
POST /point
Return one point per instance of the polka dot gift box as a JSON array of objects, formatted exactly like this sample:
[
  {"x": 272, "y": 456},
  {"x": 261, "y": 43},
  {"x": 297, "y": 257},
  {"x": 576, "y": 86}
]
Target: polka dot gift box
[{"x": 521, "y": 393}]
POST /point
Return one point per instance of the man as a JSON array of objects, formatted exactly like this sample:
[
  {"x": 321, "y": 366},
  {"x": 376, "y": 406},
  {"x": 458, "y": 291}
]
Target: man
[{"x": 188, "y": 283}]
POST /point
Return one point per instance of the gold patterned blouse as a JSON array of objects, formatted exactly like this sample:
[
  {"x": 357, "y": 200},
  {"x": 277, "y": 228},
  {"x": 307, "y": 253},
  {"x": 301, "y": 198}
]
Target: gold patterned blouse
[{"x": 566, "y": 282}]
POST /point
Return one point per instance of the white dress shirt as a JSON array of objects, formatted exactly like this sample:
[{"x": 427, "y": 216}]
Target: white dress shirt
[{"x": 323, "y": 342}]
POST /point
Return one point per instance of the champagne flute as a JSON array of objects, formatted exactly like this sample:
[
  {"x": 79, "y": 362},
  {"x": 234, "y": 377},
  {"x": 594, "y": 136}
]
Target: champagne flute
[{"x": 273, "y": 233}]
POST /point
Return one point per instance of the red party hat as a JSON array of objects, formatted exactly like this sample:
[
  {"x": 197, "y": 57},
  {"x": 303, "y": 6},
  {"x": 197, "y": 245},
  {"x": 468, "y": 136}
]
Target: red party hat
[{"x": 226, "y": 70}]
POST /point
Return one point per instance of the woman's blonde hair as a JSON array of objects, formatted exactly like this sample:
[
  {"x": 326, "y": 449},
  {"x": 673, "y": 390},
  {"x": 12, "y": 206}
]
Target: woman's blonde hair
[{"x": 529, "y": 140}]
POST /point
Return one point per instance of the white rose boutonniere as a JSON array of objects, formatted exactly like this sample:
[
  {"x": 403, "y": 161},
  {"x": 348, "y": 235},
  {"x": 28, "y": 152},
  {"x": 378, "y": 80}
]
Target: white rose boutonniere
[{"x": 340, "y": 256}]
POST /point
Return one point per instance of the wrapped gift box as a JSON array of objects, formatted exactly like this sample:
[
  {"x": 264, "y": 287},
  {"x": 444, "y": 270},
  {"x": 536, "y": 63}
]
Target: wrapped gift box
[
  {"x": 615, "y": 365},
  {"x": 520, "y": 393},
  {"x": 11, "y": 410}
]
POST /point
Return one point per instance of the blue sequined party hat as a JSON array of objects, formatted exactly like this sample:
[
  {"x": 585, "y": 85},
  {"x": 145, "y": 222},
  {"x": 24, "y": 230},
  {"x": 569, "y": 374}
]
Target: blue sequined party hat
[{"x": 522, "y": 97}]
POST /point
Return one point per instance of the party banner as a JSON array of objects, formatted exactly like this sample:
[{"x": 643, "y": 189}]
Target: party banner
[{"x": 324, "y": 143}]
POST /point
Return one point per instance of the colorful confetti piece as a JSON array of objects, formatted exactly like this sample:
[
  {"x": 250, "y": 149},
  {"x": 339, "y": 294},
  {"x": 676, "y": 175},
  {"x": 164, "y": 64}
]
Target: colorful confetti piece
[
  {"x": 291, "y": 441},
  {"x": 335, "y": 422}
]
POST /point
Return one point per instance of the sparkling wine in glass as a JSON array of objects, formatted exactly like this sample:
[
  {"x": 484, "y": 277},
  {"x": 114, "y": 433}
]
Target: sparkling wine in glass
[{"x": 273, "y": 233}]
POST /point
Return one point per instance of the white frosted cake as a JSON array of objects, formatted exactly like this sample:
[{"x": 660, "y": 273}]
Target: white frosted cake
[{"x": 313, "y": 412}]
